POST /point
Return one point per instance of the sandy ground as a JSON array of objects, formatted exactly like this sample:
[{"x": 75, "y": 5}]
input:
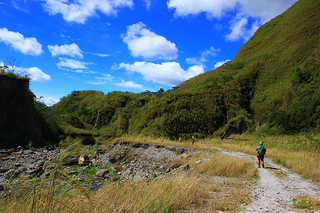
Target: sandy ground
[{"x": 274, "y": 194}]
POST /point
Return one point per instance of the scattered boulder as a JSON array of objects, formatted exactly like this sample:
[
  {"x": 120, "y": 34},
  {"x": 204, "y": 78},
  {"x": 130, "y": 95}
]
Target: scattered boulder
[
  {"x": 102, "y": 172},
  {"x": 128, "y": 160},
  {"x": 198, "y": 162},
  {"x": 70, "y": 160}
]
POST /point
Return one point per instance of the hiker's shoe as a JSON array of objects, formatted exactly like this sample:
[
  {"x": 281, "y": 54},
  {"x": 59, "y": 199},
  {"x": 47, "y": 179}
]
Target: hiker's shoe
[{"x": 263, "y": 165}]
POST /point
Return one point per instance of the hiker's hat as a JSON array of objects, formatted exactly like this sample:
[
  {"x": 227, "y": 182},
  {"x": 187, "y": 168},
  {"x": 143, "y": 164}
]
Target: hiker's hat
[{"x": 261, "y": 142}]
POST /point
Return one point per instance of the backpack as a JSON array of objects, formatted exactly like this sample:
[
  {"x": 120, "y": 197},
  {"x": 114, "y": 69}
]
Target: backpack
[{"x": 262, "y": 150}]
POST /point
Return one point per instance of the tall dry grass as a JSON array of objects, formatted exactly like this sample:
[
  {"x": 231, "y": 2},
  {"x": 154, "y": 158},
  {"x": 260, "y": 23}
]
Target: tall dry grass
[
  {"x": 298, "y": 153},
  {"x": 194, "y": 189},
  {"x": 223, "y": 165}
]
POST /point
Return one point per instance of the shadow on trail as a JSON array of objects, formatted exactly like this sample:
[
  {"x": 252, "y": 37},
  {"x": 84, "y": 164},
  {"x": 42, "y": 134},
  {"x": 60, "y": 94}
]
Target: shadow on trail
[{"x": 272, "y": 168}]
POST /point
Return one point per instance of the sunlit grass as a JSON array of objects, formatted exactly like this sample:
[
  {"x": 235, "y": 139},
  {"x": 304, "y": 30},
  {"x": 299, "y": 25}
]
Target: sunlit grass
[
  {"x": 299, "y": 153},
  {"x": 223, "y": 165},
  {"x": 306, "y": 202}
]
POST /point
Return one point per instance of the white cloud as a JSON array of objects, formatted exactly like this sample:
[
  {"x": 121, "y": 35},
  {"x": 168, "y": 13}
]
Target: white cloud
[
  {"x": 80, "y": 10},
  {"x": 71, "y": 50},
  {"x": 73, "y": 64},
  {"x": 28, "y": 46},
  {"x": 213, "y": 8},
  {"x": 169, "y": 73},
  {"x": 203, "y": 56},
  {"x": 101, "y": 55},
  {"x": 193, "y": 60},
  {"x": 129, "y": 85},
  {"x": 261, "y": 10},
  {"x": 35, "y": 74},
  {"x": 238, "y": 29},
  {"x": 104, "y": 78},
  {"x": 144, "y": 43},
  {"x": 265, "y": 9},
  {"x": 148, "y": 3},
  {"x": 220, "y": 63},
  {"x": 210, "y": 52},
  {"x": 49, "y": 101}
]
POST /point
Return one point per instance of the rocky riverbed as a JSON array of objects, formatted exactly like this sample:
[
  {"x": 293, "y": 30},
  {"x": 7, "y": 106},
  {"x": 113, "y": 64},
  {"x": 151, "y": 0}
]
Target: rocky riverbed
[{"x": 121, "y": 161}]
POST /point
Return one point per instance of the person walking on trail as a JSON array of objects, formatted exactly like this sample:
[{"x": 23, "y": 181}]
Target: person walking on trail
[
  {"x": 180, "y": 139},
  {"x": 261, "y": 151},
  {"x": 193, "y": 139}
]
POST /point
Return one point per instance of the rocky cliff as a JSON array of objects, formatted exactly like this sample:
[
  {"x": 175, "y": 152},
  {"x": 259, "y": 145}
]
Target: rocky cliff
[{"x": 18, "y": 120}]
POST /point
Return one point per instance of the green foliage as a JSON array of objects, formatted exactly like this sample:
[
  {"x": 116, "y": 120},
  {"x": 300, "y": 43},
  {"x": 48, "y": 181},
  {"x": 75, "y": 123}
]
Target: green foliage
[
  {"x": 274, "y": 79},
  {"x": 5, "y": 70},
  {"x": 48, "y": 122}
]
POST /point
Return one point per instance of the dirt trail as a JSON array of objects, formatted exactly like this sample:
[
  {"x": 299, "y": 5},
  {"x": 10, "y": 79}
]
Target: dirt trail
[{"x": 274, "y": 194}]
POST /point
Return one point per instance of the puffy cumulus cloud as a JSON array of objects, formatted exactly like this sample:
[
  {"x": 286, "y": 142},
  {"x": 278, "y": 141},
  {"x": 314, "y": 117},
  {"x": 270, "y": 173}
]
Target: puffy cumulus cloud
[
  {"x": 168, "y": 73},
  {"x": 129, "y": 85},
  {"x": 210, "y": 52},
  {"x": 71, "y": 63},
  {"x": 220, "y": 63},
  {"x": 49, "y": 101},
  {"x": 144, "y": 43},
  {"x": 71, "y": 50},
  {"x": 35, "y": 74},
  {"x": 213, "y": 8},
  {"x": 28, "y": 46},
  {"x": 79, "y": 10},
  {"x": 238, "y": 29},
  {"x": 265, "y": 9},
  {"x": 262, "y": 11}
]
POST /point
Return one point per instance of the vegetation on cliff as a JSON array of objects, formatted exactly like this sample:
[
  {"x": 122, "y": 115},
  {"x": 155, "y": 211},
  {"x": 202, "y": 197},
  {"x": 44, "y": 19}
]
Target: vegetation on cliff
[
  {"x": 272, "y": 83},
  {"x": 6, "y": 71}
]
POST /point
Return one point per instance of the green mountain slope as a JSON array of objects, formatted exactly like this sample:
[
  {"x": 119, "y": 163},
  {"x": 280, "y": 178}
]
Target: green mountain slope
[
  {"x": 284, "y": 53},
  {"x": 273, "y": 80}
]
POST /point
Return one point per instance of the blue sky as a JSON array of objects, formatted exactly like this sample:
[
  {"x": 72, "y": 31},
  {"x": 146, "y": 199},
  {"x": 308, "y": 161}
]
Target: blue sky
[{"x": 124, "y": 45}]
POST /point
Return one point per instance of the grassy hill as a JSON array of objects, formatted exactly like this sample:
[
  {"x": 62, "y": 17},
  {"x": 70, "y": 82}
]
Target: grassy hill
[{"x": 272, "y": 83}]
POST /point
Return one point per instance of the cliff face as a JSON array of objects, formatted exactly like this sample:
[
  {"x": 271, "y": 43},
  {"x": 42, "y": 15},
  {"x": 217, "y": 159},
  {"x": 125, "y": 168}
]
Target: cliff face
[{"x": 18, "y": 121}]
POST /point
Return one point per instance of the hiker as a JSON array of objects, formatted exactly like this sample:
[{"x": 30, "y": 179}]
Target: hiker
[
  {"x": 193, "y": 139},
  {"x": 261, "y": 151},
  {"x": 180, "y": 139}
]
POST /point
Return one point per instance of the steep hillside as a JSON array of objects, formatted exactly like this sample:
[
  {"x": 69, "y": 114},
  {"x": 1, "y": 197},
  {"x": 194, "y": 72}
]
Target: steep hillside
[
  {"x": 284, "y": 55},
  {"x": 272, "y": 82},
  {"x": 21, "y": 118}
]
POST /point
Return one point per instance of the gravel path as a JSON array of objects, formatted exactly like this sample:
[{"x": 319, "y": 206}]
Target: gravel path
[{"x": 273, "y": 194}]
